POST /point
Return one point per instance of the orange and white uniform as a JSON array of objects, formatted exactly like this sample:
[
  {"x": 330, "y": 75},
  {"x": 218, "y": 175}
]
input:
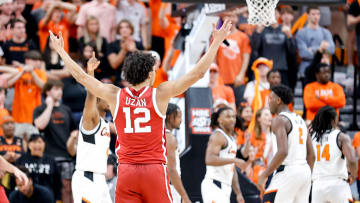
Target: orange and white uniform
[
  {"x": 292, "y": 180},
  {"x": 330, "y": 173},
  {"x": 216, "y": 186}
]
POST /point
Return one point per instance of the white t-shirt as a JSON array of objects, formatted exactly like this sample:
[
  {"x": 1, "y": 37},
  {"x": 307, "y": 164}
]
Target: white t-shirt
[
  {"x": 249, "y": 93},
  {"x": 135, "y": 13}
]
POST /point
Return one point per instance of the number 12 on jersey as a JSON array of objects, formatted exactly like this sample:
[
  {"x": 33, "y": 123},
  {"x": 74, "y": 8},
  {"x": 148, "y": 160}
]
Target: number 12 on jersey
[{"x": 137, "y": 121}]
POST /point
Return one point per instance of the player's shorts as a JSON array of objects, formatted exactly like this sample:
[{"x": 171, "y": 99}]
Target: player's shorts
[
  {"x": 289, "y": 184},
  {"x": 333, "y": 190},
  {"x": 175, "y": 195},
  {"x": 213, "y": 191},
  {"x": 139, "y": 183},
  {"x": 90, "y": 187}
]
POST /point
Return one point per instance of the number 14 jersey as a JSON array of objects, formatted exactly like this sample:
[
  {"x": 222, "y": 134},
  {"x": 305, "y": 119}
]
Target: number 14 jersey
[{"x": 140, "y": 127}]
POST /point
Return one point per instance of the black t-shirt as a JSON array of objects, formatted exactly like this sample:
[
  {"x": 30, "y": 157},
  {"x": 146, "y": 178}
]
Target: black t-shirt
[
  {"x": 115, "y": 47},
  {"x": 58, "y": 130},
  {"x": 43, "y": 171},
  {"x": 354, "y": 10},
  {"x": 15, "y": 146},
  {"x": 40, "y": 195},
  {"x": 104, "y": 70},
  {"x": 74, "y": 94},
  {"x": 15, "y": 51}
]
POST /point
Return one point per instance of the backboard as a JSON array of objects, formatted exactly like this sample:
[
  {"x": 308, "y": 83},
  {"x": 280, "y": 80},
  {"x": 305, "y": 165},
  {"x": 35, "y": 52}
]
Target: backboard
[{"x": 289, "y": 2}]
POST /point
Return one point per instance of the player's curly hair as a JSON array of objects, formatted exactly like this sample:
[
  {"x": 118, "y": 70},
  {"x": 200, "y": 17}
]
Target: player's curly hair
[
  {"x": 214, "y": 123},
  {"x": 171, "y": 109},
  {"x": 137, "y": 67},
  {"x": 323, "y": 122},
  {"x": 284, "y": 93}
]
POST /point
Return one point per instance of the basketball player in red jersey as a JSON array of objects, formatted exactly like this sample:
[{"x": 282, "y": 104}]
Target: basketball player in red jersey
[{"x": 139, "y": 116}]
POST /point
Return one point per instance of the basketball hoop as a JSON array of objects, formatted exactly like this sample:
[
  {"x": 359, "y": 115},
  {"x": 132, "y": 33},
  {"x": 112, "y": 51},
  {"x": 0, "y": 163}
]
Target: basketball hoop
[{"x": 261, "y": 12}]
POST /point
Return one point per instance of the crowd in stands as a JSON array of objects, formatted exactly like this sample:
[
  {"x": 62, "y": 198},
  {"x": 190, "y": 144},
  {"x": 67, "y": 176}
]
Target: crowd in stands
[{"x": 41, "y": 103}]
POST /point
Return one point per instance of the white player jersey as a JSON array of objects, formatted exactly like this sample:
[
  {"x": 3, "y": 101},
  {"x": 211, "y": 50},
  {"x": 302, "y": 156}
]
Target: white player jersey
[
  {"x": 224, "y": 173},
  {"x": 330, "y": 161},
  {"x": 296, "y": 140},
  {"x": 93, "y": 148}
]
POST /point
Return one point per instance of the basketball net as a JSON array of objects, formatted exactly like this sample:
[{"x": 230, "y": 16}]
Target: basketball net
[{"x": 261, "y": 12}]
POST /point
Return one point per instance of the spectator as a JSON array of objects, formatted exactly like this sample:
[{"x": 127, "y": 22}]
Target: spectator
[
  {"x": 356, "y": 145},
  {"x": 119, "y": 49},
  {"x": 19, "y": 7},
  {"x": 111, "y": 175},
  {"x": 42, "y": 168},
  {"x": 53, "y": 63},
  {"x": 98, "y": 8},
  {"x": 321, "y": 56},
  {"x": 30, "y": 192},
  {"x": 11, "y": 147},
  {"x": 92, "y": 37},
  {"x": 312, "y": 38},
  {"x": 135, "y": 13},
  {"x": 7, "y": 8},
  {"x": 264, "y": 65},
  {"x": 54, "y": 21},
  {"x": 260, "y": 138},
  {"x": 354, "y": 20},
  {"x": 15, "y": 48},
  {"x": 274, "y": 78},
  {"x": 220, "y": 91},
  {"x": 322, "y": 92},
  {"x": 3, "y": 110},
  {"x": 28, "y": 82},
  {"x": 243, "y": 119},
  {"x": 233, "y": 59},
  {"x": 287, "y": 16},
  {"x": 56, "y": 122},
  {"x": 277, "y": 44}
]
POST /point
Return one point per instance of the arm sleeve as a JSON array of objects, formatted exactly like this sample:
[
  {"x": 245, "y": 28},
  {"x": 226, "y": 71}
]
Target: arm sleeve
[
  {"x": 304, "y": 52},
  {"x": 310, "y": 100},
  {"x": 291, "y": 47},
  {"x": 255, "y": 43},
  {"x": 338, "y": 100}
]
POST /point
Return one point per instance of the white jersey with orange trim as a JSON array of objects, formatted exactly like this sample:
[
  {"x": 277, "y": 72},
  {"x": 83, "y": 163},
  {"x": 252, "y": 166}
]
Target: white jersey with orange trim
[
  {"x": 330, "y": 161},
  {"x": 93, "y": 148},
  {"x": 296, "y": 140},
  {"x": 224, "y": 173}
]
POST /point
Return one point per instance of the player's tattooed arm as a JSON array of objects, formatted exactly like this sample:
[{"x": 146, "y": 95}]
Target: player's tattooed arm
[{"x": 349, "y": 153}]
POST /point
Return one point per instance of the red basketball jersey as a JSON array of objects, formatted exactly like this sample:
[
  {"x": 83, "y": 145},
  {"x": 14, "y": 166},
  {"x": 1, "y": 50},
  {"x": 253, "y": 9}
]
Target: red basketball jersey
[{"x": 140, "y": 127}]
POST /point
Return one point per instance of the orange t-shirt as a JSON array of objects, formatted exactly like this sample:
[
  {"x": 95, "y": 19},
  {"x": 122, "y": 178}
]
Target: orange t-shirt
[
  {"x": 229, "y": 58},
  {"x": 330, "y": 94},
  {"x": 156, "y": 29},
  {"x": 259, "y": 144},
  {"x": 3, "y": 112},
  {"x": 27, "y": 96},
  {"x": 223, "y": 92},
  {"x": 160, "y": 77},
  {"x": 356, "y": 143},
  {"x": 240, "y": 139},
  {"x": 62, "y": 26}
]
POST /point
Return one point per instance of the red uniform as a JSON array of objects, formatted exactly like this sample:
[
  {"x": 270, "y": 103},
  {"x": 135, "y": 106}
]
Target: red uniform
[{"x": 141, "y": 148}]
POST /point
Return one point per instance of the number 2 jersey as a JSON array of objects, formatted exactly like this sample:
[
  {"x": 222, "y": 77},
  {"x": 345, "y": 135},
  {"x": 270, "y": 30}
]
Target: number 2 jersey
[
  {"x": 330, "y": 161},
  {"x": 296, "y": 140},
  {"x": 140, "y": 127}
]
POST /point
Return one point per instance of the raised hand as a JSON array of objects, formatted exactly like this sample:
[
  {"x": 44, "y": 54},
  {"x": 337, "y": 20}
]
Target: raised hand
[
  {"x": 20, "y": 176},
  {"x": 223, "y": 32},
  {"x": 92, "y": 63},
  {"x": 57, "y": 42}
]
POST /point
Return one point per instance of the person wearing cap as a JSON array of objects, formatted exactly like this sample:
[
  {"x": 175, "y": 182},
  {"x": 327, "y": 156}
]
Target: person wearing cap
[
  {"x": 43, "y": 169},
  {"x": 11, "y": 147},
  {"x": 28, "y": 82},
  {"x": 263, "y": 65},
  {"x": 220, "y": 92}
]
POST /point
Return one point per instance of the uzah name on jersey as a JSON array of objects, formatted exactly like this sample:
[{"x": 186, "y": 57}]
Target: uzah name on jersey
[{"x": 135, "y": 102}]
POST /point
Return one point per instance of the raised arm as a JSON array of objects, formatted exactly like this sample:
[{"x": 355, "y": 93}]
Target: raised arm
[
  {"x": 106, "y": 92},
  {"x": 173, "y": 88},
  {"x": 90, "y": 114}
]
